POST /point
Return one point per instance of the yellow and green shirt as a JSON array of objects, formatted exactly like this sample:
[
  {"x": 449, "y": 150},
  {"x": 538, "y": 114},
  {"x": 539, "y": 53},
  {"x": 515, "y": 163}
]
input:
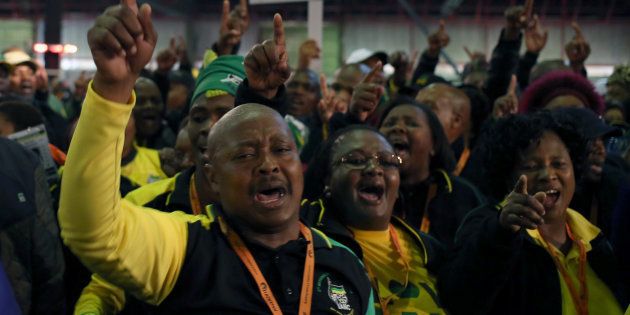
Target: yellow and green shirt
[
  {"x": 600, "y": 299},
  {"x": 379, "y": 254}
]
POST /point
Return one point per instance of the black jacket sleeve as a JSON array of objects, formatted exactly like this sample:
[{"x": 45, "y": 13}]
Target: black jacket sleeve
[
  {"x": 525, "y": 65},
  {"x": 426, "y": 65},
  {"x": 479, "y": 263},
  {"x": 245, "y": 94},
  {"x": 48, "y": 263},
  {"x": 503, "y": 64}
]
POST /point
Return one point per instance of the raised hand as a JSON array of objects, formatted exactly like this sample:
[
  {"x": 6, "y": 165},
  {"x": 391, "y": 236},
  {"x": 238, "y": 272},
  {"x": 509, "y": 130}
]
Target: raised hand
[
  {"x": 231, "y": 31},
  {"x": 122, "y": 41},
  {"x": 578, "y": 49},
  {"x": 41, "y": 77},
  {"x": 267, "y": 64},
  {"x": 308, "y": 50},
  {"x": 438, "y": 40},
  {"x": 518, "y": 18},
  {"x": 328, "y": 104},
  {"x": 167, "y": 57},
  {"x": 521, "y": 210},
  {"x": 535, "y": 36},
  {"x": 508, "y": 103},
  {"x": 240, "y": 15},
  {"x": 366, "y": 95},
  {"x": 474, "y": 56}
]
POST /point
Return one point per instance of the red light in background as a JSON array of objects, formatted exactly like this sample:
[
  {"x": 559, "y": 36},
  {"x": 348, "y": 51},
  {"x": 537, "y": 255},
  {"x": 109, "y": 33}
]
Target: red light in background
[
  {"x": 55, "y": 48},
  {"x": 40, "y": 48}
]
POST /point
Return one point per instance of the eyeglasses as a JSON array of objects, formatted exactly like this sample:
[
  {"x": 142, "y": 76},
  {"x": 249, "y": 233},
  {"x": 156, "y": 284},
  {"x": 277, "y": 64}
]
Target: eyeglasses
[{"x": 357, "y": 161}]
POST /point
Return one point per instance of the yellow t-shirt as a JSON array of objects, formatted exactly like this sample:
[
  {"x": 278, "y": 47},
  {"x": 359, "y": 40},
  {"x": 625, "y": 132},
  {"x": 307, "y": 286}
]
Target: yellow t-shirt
[
  {"x": 383, "y": 261},
  {"x": 145, "y": 168},
  {"x": 600, "y": 299}
]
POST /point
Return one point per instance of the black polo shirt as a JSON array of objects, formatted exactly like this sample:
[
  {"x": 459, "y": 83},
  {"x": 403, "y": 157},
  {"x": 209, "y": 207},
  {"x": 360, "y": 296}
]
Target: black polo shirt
[{"x": 213, "y": 280}]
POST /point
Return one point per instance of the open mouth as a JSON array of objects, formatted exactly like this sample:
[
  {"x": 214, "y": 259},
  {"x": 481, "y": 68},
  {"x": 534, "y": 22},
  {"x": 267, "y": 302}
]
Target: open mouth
[
  {"x": 270, "y": 197},
  {"x": 552, "y": 198},
  {"x": 26, "y": 86},
  {"x": 400, "y": 145},
  {"x": 596, "y": 168},
  {"x": 150, "y": 116},
  {"x": 372, "y": 194}
]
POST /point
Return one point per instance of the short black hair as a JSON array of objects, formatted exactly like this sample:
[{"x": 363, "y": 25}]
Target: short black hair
[
  {"x": 503, "y": 144},
  {"x": 319, "y": 168},
  {"x": 444, "y": 158},
  {"x": 21, "y": 115}
]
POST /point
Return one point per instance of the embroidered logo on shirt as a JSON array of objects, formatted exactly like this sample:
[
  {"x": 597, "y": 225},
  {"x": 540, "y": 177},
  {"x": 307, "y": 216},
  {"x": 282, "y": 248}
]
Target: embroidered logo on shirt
[{"x": 337, "y": 293}]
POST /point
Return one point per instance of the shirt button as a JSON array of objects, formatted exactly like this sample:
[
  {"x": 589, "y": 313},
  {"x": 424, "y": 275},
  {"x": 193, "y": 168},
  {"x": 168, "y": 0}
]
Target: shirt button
[
  {"x": 289, "y": 291},
  {"x": 276, "y": 259}
]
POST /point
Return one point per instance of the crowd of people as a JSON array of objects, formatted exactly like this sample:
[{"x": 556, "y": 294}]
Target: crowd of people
[{"x": 250, "y": 187}]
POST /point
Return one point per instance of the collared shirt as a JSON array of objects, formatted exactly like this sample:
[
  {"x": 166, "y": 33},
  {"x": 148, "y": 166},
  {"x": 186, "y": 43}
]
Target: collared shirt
[{"x": 600, "y": 299}]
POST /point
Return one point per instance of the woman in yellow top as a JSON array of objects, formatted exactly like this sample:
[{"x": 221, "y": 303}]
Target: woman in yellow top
[
  {"x": 355, "y": 174},
  {"x": 531, "y": 254}
]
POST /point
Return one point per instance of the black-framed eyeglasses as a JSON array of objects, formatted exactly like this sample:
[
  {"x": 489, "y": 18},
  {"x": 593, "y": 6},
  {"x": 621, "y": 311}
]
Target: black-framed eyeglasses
[{"x": 355, "y": 160}]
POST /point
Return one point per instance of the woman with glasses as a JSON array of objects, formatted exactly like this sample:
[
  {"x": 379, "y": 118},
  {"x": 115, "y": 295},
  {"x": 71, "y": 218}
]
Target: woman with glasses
[
  {"x": 430, "y": 197},
  {"x": 355, "y": 176}
]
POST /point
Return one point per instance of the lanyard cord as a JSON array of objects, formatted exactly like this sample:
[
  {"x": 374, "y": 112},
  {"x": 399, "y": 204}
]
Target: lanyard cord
[
  {"x": 425, "y": 224},
  {"x": 194, "y": 197},
  {"x": 580, "y": 300},
  {"x": 463, "y": 160},
  {"x": 385, "y": 301},
  {"x": 306, "y": 293}
]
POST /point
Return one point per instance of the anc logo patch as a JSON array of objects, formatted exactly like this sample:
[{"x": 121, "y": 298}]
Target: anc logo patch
[{"x": 337, "y": 293}]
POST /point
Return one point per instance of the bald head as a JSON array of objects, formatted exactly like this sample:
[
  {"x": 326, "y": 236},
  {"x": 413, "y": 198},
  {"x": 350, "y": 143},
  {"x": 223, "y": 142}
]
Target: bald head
[
  {"x": 451, "y": 105},
  {"x": 255, "y": 169},
  {"x": 224, "y": 130}
]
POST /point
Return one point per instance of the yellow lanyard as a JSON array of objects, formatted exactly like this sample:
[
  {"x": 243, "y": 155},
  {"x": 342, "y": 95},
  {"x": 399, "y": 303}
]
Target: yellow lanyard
[
  {"x": 194, "y": 198},
  {"x": 385, "y": 301},
  {"x": 306, "y": 294},
  {"x": 580, "y": 300}
]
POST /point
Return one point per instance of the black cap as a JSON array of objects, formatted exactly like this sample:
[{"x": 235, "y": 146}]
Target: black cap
[{"x": 591, "y": 125}]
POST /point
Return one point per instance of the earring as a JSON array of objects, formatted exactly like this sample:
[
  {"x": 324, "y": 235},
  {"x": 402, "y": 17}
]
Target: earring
[{"x": 327, "y": 192}]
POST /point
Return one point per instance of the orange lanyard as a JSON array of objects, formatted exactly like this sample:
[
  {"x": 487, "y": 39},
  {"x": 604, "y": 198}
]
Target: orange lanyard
[
  {"x": 194, "y": 198},
  {"x": 463, "y": 160},
  {"x": 306, "y": 294},
  {"x": 579, "y": 299},
  {"x": 426, "y": 223},
  {"x": 384, "y": 302}
]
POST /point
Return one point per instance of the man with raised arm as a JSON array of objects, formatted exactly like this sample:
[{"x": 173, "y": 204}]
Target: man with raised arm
[{"x": 252, "y": 255}]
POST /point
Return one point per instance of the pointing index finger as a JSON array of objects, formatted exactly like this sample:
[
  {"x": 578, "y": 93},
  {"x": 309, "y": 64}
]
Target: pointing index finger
[
  {"x": 224, "y": 15},
  {"x": 370, "y": 76},
  {"x": 442, "y": 25},
  {"x": 278, "y": 30},
  {"x": 468, "y": 52},
  {"x": 322, "y": 85},
  {"x": 132, "y": 4},
  {"x": 512, "y": 86},
  {"x": 244, "y": 10},
  {"x": 529, "y": 8},
  {"x": 577, "y": 29},
  {"x": 521, "y": 185}
]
